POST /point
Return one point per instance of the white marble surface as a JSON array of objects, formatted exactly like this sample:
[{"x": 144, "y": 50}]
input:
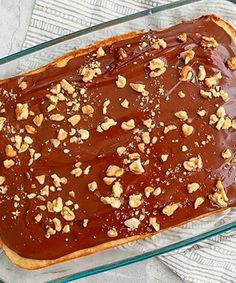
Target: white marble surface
[{"x": 14, "y": 20}]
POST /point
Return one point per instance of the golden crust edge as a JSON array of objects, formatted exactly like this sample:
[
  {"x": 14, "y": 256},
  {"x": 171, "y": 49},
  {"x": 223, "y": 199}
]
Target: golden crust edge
[{"x": 32, "y": 264}]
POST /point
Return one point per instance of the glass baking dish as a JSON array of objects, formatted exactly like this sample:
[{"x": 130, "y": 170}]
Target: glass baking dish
[{"x": 170, "y": 240}]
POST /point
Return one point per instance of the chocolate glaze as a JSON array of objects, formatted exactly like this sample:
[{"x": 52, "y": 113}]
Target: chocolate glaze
[{"x": 27, "y": 237}]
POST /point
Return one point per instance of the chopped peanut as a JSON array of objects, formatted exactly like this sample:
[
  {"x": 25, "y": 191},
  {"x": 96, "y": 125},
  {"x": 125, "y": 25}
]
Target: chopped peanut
[
  {"x": 121, "y": 81},
  {"x": 170, "y": 209}
]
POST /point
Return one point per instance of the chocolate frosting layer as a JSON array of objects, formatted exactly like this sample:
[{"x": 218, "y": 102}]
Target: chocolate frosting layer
[{"x": 54, "y": 199}]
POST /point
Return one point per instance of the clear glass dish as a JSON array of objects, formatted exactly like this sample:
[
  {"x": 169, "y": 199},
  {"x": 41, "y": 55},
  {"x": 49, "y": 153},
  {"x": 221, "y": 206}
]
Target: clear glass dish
[{"x": 175, "y": 238}]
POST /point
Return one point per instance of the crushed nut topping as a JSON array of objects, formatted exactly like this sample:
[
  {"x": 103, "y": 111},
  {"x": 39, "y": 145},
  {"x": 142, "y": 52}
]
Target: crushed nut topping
[
  {"x": 182, "y": 115},
  {"x": 93, "y": 186},
  {"x": 212, "y": 81},
  {"x": 226, "y": 154},
  {"x": 128, "y": 125},
  {"x": 114, "y": 202},
  {"x": 121, "y": 81},
  {"x": 22, "y": 111},
  {"x": 169, "y": 128},
  {"x": 136, "y": 167},
  {"x": 67, "y": 86},
  {"x": 231, "y": 63},
  {"x": 67, "y": 214},
  {"x": 139, "y": 88},
  {"x": 132, "y": 223},
  {"x": 114, "y": 171},
  {"x": 117, "y": 189},
  {"x": 193, "y": 163},
  {"x": 186, "y": 73},
  {"x": 107, "y": 124},
  {"x": 201, "y": 73},
  {"x": 8, "y": 163},
  {"x": 74, "y": 120},
  {"x": 135, "y": 200},
  {"x": 182, "y": 37},
  {"x": 112, "y": 233},
  {"x": 187, "y": 130},
  {"x": 157, "y": 67},
  {"x": 193, "y": 187},
  {"x": 170, "y": 209},
  {"x": 87, "y": 110},
  {"x": 219, "y": 197},
  {"x": 187, "y": 56},
  {"x": 208, "y": 42},
  {"x": 181, "y": 94},
  {"x": 154, "y": 224},
  {"x": 100, "y": 52},
  {"x": 198, "y": 201}
]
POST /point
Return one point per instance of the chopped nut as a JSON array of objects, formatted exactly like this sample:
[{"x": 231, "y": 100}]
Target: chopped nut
[
  {"x": 28, "y": 140},
  {"x": 226, "y": 154},
  {"x": 114, "y": 171},
  {"x": 187, "y": 130},
  {"x": 50, "y": 232},
  {"x": 56, "y": 117},
  {"x": 56, "y": 205},
  {"x": 77, "y": 172},
  {"x": 187, "y": 56},
  {"x": 220, "y": 123},
  {"x": 87, "y": 110},
  {"x": 114, "y": 202},
  {"x": 23, "y": 85},
  {"x": 2, "y": 180},
  {"x": 213, "y": 80},
  {"x": 181, "y": 115},
  {"x": 231, "y": 63},
  {"x": 157, "y": 66},
  {"x": 135, "y": 200},
  {"x": 193, "y": 163},
  {"x": 227, "y": 124},
  {"x": 107, "y": 124},
  {"x": 205, "y": 94},
  {"x": 85, "y": 222},
  {"x": 108, "y": 180},
  {"x": 38, "y": 217},
  {"x": 221, "y": 112},
  {"x": 90, "y": 72},
  {"x": 208, "y": 42},
  {"x": 120, "y": 150},
  {"x": 38, "y": 119},
  {"x": 122, "y": 54},
  {"x": 154, "y": 224},
  {"x": 57, "y": 224},
  {"x": 201, "y": 113},
  {"x": 62, "y": 135},
  {"x": 213, "y": 119},
  {"x": 92, "y": 186},
  {"x": 40, "y": 179},
  {"x": 182, "y": 37},
  {"x": 181, "y": 94},
  {"x": 66, "y": 229},
  {"x": 105, "y": 106},
  {"x": 137, "y": 87},
  {"x": 134, "y": 155},
  {"x": 125, "y": 103},
  {"x": 186, "y": 73},
  {"x": 201, "y": 73},
  {"x": 136, "y": 167},
  {"x": 132, "y": 223},
  {"x": 100, "y": 52},
  {"x": 157, "y": 43},
  {"x": 170, "y": 209},
  {"x": 198, "y": 202},
  {"x": 84, "y": 134},
  {"x": 164, "y": 157},
  {"x": 128, "y": 125},
  {"x": 157, "y": 191},
  {"x": 9, "y": 150},
  {"x": 117, "y": 189},
  {"x": 8, "y": 163},
  {"x": 121, "y": 81},
  {"x": 169, "y": 128},
  {"x": 67, "y": 86},
  {"x": 22, "y": 111},
  {"x": 112, "y": 233},
  {"x": 193, "y": 187},
  {"x": 2, "y": 120},
  {"x": 30, "y": 129},
  {"x": 148, "y": 191},
  {"x": 74, "y": 120},
  {"x": 146, "y": 137},
  {"x": 67, "y": 214}
]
